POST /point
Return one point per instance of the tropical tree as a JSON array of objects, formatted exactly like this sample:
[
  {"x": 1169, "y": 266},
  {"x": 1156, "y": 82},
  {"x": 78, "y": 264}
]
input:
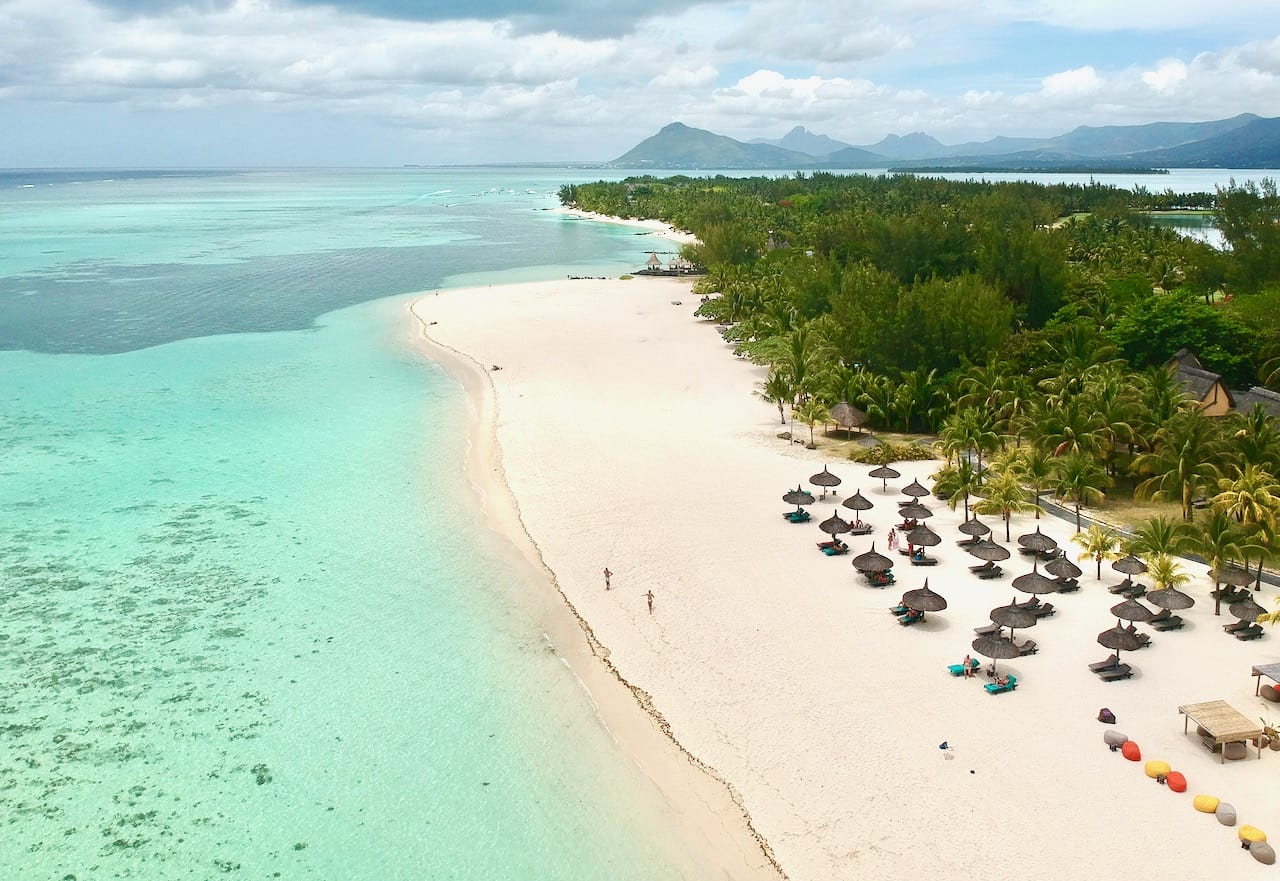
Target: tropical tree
[
  {"x": 1183, "y": 462},
  {"x": 1217, "y": 537},
  {"x": 1099, "y": 542},
  {"x": 958, "y": 482},
  {"x": 1165, "y": 572},
  {"x": 1079, "y": 479},
  {"x": 1003, "y": 494},
  {"x": 1034, "y": 467},
  {"x": 776, "y": 389},
  {"x": 1158, "y": 536},
  {"x": 810, "y": 413},
  {"x": 1253, "y": 499}
]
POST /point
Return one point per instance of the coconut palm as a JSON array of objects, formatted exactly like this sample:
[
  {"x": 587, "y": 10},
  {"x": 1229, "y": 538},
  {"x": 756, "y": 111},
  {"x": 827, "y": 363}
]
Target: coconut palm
[
  {"x": 1254, "y": 439},
  {"x": 1165, "y": 571},
  {"x": 958, "y": 482},
  {"x": 1099, "y": 542},
  {"x": 1080, "y": 479},
  {"x": 776, "y": 389},
  {"x": 1003, "y": 494},
  {"x": 1158, "y": 536},
  {"x": 810, "y": 413},
  {"x": 1217, "y": 537},
  {"x": 1183, "y": 461},
  {"x": 1253, "y": 499},
  {"x": 1034, "y": 467}
]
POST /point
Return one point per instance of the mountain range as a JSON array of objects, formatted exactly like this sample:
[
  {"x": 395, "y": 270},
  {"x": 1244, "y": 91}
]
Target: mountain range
[{"x": 1243, "y": 141}]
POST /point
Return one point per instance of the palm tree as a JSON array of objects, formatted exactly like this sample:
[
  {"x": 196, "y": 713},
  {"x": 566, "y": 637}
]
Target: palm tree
[
  {"x": 1034, "y": 467},
  {"x": 959, "y": 481},
  {"x": 1254, "y": 439},
  {"x": 1003, "y": 494},
  {"x": 1081, "y": 480},
  {"x": 1216, "y": 537},
  {"x": 1099, "y": 542},
  {"x": 1165, "y": 571},
  {"x": 1159, "y": 536},
  {"x": 1253, "y": 499},
  {"x": 811, "y": 412},
  {"x": 776, "y": 389},
  {"x": 1183, "y": 461}
]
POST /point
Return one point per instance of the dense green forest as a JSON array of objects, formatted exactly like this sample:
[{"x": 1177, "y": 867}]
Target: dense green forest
[{"x": 1026, "y": 325}]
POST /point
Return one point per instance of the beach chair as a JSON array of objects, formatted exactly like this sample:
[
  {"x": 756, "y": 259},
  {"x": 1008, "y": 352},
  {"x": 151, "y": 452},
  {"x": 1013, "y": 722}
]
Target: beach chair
[
  {"x": 1028, "y": 648},
  {"x": 924, "y": 561},
  {"x": 1112, "y": 661},
  {"x": 958, "y": 669},
  {"x": 900, "y": 609},
  {"x": 982, "y": 567},
  {"x": 797, "y": 516},
  {"x": 862, "y": 529},
  {"x": 1143, "y": 640},
  {"x": 989, "y": 630},
  {"x": 1116, "y": 673},
  {"x": 1044, "y": 611},
  {"x": 1253, "y": 631},
  {"x": 911, "y": 618},
  {"x": 1068, "y": 585},
  {"x": 835, "y": 550},
  {"x": 1030, "y": 605},
  {"x": 1238, "y": 625},
  {"x": 1173, "y": 622},
  {"x": 993, "y": 688},
  {"x": 993, "y": 572}
]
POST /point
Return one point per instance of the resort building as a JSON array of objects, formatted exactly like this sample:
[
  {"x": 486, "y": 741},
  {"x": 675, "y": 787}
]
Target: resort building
[{"x": 1203, "y": 386}]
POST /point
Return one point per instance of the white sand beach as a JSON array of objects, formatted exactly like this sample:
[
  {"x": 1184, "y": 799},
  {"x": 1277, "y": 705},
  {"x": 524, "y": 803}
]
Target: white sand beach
[
  {"x": 665, "y": 230},
  {"x": 630, "y": 438}
]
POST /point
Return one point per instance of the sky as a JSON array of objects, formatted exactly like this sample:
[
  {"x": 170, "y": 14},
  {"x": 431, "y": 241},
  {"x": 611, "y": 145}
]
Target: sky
[{"x": 201, "y": 83}]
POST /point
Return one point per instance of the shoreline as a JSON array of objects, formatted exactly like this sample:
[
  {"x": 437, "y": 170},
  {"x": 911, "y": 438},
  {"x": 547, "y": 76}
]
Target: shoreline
[
  {"x": 658, "y": 227},
  {"x": 625, "y": 710},
  {"x": 630, "y": 438}
]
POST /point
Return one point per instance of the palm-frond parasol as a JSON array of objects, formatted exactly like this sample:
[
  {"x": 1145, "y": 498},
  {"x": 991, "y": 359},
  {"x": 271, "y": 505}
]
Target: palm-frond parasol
[
  {"x": 1038, "y": 542},
  {"x": 1231, "y": 575},
  {"x": 884, "y": 474},
  {"x": 1246, "y": 610},
  {"x": 1169, "y": 598},
  {"x": 857, "y": 502},
  {"x": 924, "y": 600},
  {"x": 1132, "y": 610},
  {"x": 872, "y": 562},
  {"x": 1035, "y": 583},
  {"x": 1013, "y": 616},
  {"x": 1129, "y": 565},
  {"x": 974, "y": 528},
  {"x": 914, "y": 511},
  {"x": 915, "y": 489},
  {"x": 923, "y": 535},
  {"x": 825, "y": 479},
  {"x": 996, "y": 648},
  {"x": 1061, "y": 567},
  {"x": 798, "y": 497},
  {"x": 834, "y": 525},
  {"x": 1119, "y": 639},
  {"x": 990, "y": 551}
]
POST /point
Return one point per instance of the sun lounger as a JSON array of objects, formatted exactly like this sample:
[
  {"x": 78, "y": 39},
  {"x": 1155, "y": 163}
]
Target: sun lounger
[
  {"x": 924, "y": 561},
  {"x": 1238, "y": 625},
  {"x": 836, "y": 550},
  {"x": 911, "y": 618},
  {"x": 1231, "y": 596},
  {"x": 989, "y": 630},
  {"x": 1109, "y": 663},
  {"x": 993, "y": 572},
  {"x": 1116, "y": 673},
  {"x": 862, "y": 529},
  {"x": 958, "y": 669},
  {"x": 797, "y": 516},
  {"x": 1028, "y": 648},
  {"x": 1128, "y": 587},
  {"x": 1029, "y": 605},
  {"x": 1253, "y": 631},
  {"x": 1068, "y": 585},
  {"x": 900, "y": 609},
  {"x": 993, "y": 688},
  {"x": 1044, "y": 611},
  {"x": 982, "y": 567},
  {"x": 1173, "y": 622}
]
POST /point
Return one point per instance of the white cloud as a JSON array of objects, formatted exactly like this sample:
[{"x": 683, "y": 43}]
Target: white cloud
[
  {"x": 1073, "y": 83},
  {"x": 1167, "y": 75}
]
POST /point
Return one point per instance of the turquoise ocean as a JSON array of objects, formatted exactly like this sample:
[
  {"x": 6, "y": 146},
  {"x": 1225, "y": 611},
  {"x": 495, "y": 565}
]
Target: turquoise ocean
[{"x": 251, "y": 623}]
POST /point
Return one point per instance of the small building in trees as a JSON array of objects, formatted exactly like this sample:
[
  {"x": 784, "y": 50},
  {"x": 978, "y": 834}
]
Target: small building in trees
[
  {"x": 1205, "y": 387},
  {"x": 1269, "y": 400}
]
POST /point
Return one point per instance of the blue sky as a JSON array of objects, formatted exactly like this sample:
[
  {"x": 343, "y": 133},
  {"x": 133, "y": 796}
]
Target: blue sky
[{"x": 389, "y": 82}]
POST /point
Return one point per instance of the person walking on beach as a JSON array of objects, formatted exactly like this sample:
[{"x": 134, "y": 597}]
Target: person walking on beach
[
  {"x": 649, "y": 596},
  {"x": 607, "y": 576},
  {"x": 893, "y": 539}
]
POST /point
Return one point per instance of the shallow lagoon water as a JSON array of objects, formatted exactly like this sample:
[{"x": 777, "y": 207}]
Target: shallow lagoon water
[{"x": 252, "y": 623}]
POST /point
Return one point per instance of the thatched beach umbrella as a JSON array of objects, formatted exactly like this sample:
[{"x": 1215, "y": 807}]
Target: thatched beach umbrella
[
  {"x": 1246, "y": 610},
  {"x": 872, "y": 562},
  {"x": 1119, "y": 639},
  {"x": 915, "y": 489},
  {"x": 924, "y": 600},
  {"x": 798, "y": 497},
  {"x": 1169, "y": 598},
  {"x": 1037, "y": 541},
  {"x": 974, "y": 528},
  {"x": 1035, "y": 583},
  {"x": 996, "y": 648},
  {"x": 1233, "y": 576},
  {"x": 1014, "y": 617},
  {"x": 1132, "y": 610},
  {"x": 988, "y": 550},
  {"x": 923, "y": 535},
  {"x": 1061, "y": 567},
  {"x": 884, "y": 474},
  {"x": 826, "y": 480},
  {"x": 914, "y": 511},
  {"x": 857, "y": 503},
  {"x": 1129, "y": 565},
  {"x": 834, "y": 525}
]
